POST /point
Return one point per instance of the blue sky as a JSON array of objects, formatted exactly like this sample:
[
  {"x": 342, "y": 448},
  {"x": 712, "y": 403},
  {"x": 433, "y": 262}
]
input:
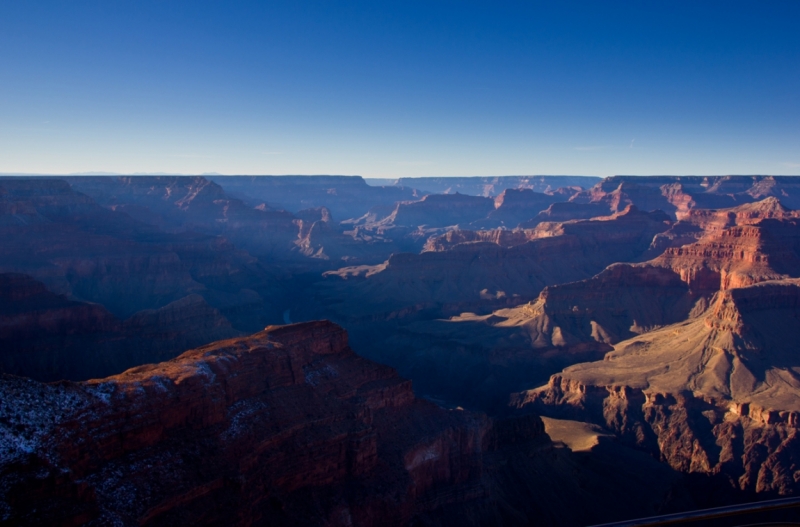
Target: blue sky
[{"x": 389, "y": 89}]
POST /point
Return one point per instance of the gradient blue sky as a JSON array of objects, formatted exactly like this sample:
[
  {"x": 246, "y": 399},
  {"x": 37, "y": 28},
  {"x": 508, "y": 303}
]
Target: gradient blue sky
[{"x": 406, "y": 88}]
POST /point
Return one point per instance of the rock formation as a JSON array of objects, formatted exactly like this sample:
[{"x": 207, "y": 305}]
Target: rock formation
[
  {"x": 689, "y": 287},
  {"x": 193, "y": 203},
  {"x": 717, "y": 394},
  {"x": 49, "y": 337},
  {"x": 75, "y": 247},
  {"x": 440, "y": 210},
  {"x": 571, "y": 322},
  {"x": 515, "y": 206},
  {"x": 479, "y": 275},
  {"x": 345, "y": 196},
  {"x": 677, "y": 195},
  {"x": 290, "y": 427}
]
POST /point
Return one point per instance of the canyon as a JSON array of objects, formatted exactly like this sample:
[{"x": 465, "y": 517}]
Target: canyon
[
  {"x": 507, "y": 351},
  {"x": 287, "y": 426}
]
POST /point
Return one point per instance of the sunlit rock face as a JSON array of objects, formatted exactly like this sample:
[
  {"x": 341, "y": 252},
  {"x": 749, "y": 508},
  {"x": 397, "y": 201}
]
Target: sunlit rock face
[
  {"x": 717, "y": 394},
  {"x": 677, "y": 195}
]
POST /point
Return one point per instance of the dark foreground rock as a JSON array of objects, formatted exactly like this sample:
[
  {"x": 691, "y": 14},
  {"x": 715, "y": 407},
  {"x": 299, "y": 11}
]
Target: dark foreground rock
[{"x": 290, "y": 427}]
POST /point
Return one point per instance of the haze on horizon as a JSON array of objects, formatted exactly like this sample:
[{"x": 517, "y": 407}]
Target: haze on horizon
[{"x": 396, "y": 89}]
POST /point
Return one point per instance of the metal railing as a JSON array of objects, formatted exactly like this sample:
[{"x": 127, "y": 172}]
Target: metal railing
[{"x": 731, "y": 511}]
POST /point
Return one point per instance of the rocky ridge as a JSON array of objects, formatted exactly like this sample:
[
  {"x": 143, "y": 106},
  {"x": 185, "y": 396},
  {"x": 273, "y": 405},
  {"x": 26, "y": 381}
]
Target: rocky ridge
[
  {"x": 345, "y": 196},
  {"x": 716, "y": 394},
  {"x": 242, "y": 412},
  {"x": 289, "y": 427},
  {"x": 677, "y": 195},
  {"x": 479, "y": 275},
  {"x": 49, "y": 337}
]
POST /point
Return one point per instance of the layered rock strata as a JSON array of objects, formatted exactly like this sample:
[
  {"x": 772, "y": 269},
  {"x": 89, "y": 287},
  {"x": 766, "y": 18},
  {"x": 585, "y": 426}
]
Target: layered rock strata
[
  {"x": 290, "y": 427},
  {"x": 718, "y": 394},
  {"x": 515, "y": 206},
  {"x": 677, "y": 195},
  {"x": 345, "y": 196},
  {"x": 193, "y": 203},
  {"x": 287, "y": 426},
  {"x": 93, "y": 254},
  {"x": 471, "y": 276}
]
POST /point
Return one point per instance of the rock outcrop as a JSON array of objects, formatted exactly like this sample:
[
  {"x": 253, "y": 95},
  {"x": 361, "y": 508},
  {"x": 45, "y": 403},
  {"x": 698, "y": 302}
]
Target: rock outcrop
[
  {"x": 501, "y": 237},
  {"x": 699, "y": 223},
  {"x": 345, "y": 196},
  {"x": 286, "y": 426},
  {"x": 718, "y": 394},
  {"x": 677, "y": 195},
  {"x": 473, "y": 276},
  {"x": 93, "y": 254},
  {"x": 49, "y": 337},
  {"x": 440, "y": 210},
  {"x": 515, "y": 206},
  {"x": 193, "y": 203},
  {"x": 392, "y": 310},
  {"x": 566, "y": 211},
  {"x": 290, "y": 427},
  {"x": 580, "y": 321},
  {"x": 737, "y": 256}
]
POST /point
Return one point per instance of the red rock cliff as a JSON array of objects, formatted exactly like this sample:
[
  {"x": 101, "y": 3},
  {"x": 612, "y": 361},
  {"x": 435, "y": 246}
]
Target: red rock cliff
[
  {"x": 716, "y": 395},
  {"x": 286, "y": 426}
]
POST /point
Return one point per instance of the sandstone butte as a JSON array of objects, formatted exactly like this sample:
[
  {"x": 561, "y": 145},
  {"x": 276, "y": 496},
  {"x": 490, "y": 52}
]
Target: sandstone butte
[
  {"x": 677, "y": 195},
  {"x": 703, "y": 371},
  {"x": 736, "y": 247},
  {"x": 717, "y": 394}
]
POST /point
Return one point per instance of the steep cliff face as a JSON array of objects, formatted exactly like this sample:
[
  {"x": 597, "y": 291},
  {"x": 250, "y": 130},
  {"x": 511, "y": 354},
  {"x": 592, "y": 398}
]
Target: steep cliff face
[
  {"x": 394, "y": 311},
  {"x": 619, "y": 303},
  {"x": 707, "y": 223},
  {"x": 49, "y": 337},
  {"x": 93, "y": 254},
  {"x": 628, "y": 299},
  {"x": 193, "y": 203},
  {"x": 715, "y": 395},
  {"x": 345, "y": 196},
  {"x": 478, "y": 359},
  {"x": 515, "y": 206},
  {"x": 580, "y": 321},
  {"x": 501, "y": 237},
  {"x": 737, "y": 256},
  {"x": 679, "y": 194},
  {"x": 287, "y": 426},
  {"x": 482, "y": 275},
  {"x": 440, "y": 210},
  {"x": 566, "y": 211},
  {"x": 290, "y": 427},
  {"x": 324, "y": 239}
]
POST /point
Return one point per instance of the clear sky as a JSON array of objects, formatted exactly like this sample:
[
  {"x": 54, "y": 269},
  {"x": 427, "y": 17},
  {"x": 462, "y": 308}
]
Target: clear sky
[{"x": 406, "y": 88}]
